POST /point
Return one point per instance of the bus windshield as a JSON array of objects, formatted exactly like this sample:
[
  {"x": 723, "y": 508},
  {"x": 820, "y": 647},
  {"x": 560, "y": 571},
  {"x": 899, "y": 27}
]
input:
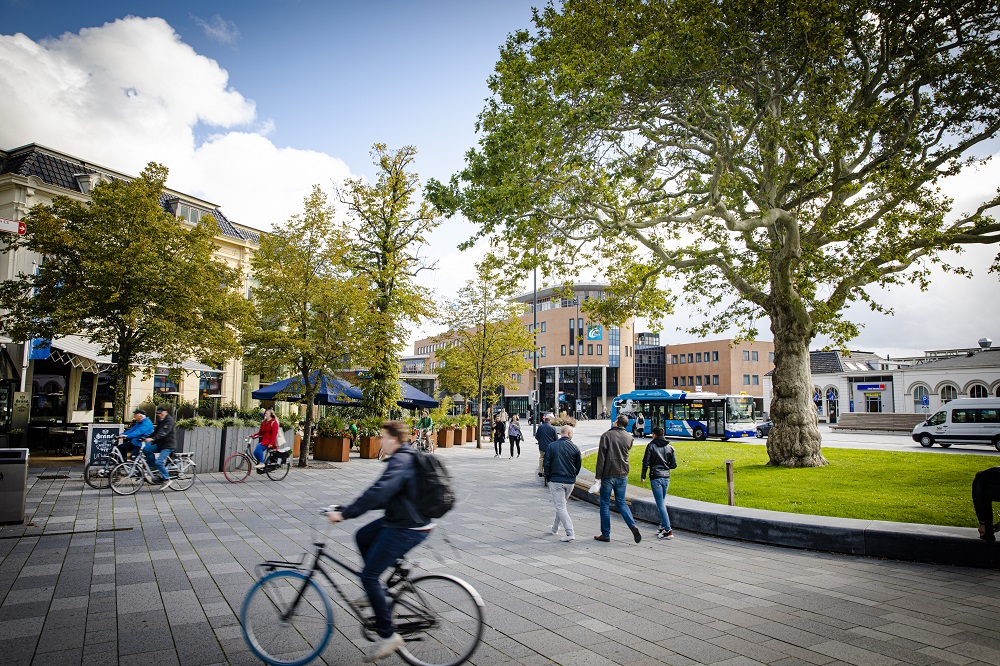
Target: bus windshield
[{"x": 739, "y": 410}]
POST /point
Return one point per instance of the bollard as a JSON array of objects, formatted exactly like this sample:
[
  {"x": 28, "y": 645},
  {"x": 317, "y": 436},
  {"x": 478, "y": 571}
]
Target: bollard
[{"x": 729, "y": 483}]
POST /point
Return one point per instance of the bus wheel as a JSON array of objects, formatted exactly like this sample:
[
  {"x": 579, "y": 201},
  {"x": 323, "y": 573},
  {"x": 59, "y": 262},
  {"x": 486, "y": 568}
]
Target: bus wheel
[{"x": 699, "y": 433}]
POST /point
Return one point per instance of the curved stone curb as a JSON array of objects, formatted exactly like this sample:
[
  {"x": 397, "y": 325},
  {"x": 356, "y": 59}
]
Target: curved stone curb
[{"x": 936, "y": 544}]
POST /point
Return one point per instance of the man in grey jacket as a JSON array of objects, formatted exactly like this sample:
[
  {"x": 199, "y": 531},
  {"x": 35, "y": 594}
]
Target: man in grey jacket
[
  {"x": 612, "y": 472},
  {"x": 562, "y": 464}
]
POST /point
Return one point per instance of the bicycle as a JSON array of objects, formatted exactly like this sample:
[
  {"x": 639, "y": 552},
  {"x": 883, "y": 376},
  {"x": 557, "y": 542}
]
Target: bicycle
[
  {"x": 237, "y": 466},
  {"x": 287, "y": 618},
  {"x": 97, "y": 473},
  {"x": 425, "y": 440},
  {"x": 127, "y": 478}
]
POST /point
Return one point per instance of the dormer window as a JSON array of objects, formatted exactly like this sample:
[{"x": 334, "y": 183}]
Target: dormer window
[{"x": 189, "y": 213}]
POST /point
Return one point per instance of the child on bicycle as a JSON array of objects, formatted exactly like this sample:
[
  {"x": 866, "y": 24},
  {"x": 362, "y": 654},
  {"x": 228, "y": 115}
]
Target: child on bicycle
[
  {"x": 385, "y": 540},
  {"x": 268, "y": 435}
]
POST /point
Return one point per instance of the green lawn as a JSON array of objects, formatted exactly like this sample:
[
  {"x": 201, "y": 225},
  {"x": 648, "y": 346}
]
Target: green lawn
[{"x": 904, "y": 487}]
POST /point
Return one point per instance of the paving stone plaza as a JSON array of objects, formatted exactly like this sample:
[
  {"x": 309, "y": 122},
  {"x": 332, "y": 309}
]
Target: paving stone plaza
[{"x": 158, "y": 578}]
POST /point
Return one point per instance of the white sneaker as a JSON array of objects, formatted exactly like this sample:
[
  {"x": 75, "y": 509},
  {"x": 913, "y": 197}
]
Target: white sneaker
[
  {"x": 568, "y": 538},
  {"x": 554, "y": 531},
  {"x": 384, "y": 647},
  {"x": 260, "y": 465},
  {"x": 166, "y": 484}
]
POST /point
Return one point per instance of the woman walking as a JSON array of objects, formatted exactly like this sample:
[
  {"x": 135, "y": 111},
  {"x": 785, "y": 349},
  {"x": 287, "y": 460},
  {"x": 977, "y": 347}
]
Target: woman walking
[
  {"x": 658, "y": 461},
  {"x": 499, "y": 435},
  {"x": 514, "y": 435}
]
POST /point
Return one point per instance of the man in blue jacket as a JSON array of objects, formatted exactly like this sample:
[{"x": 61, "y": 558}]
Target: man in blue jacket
[
  {"x": 561, "y": 465},
  {"x": 140, "y": 430},
  {"x": 545, "y": 434}
]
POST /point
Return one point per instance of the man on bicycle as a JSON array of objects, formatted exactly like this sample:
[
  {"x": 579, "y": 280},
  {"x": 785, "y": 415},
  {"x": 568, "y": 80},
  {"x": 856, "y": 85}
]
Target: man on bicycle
[
  {"x": 425, "y": 426},
  {"x": 140, "y": 430},
  {"x": 385, "y": 540},
  {"x": 161, "y": 444}
]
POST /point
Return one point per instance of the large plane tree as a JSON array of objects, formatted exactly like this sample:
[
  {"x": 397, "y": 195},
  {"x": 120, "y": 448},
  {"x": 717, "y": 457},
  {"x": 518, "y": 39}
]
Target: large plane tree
[{"x": 778, "y": 158}]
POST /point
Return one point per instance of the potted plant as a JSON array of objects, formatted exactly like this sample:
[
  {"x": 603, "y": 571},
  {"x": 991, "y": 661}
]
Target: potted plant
[
  {"x": 458, "y": 423},
  {"x": 331, "y": 443},
  {"x": 446, "y": 432},
  {"x": 469, "y": 421},
  {"x": 369, "y": 433}
]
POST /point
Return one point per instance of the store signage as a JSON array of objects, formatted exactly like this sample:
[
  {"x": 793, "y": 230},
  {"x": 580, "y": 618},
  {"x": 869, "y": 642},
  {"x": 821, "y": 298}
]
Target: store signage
[
  {"x": 595, "y": 332},
  {"x": 870, "y": 387},
  {"x": 12, "y": 226},
  {"x": 101, "y": 437}
]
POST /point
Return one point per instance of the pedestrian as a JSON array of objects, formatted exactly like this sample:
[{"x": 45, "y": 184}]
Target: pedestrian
[
  {"x": 612, "y": 471},
  {"x": 562, "y": 464},
  {"x": 985, "y": 491},
  {"x": 544, "y": 435},
  {"x": 658, "y": 460},
  {"x": 514, "y": 435},
  {"x": 499, "y": 435},
  {"x": 263, "y": 413},
  {"x": 640, "y": 426}
]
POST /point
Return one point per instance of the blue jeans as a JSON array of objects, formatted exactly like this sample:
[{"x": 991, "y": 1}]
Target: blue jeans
[
  {"x": 618, "y": 485},
  {"x": 159, "y": 461},
  {"x": 259, "y": 452},
  {"x": 380, "y": 546},
  {"x": 659, "y": 487}
]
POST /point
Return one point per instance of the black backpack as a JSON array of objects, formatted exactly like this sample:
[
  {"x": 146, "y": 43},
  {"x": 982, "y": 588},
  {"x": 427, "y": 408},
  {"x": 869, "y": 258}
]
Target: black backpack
[{"x": 435, "y": 496}]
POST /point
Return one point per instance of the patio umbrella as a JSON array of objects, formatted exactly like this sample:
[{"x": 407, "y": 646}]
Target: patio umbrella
[
  {"x": 331, "y": 390},
  {"x": 414, "y": 398}
]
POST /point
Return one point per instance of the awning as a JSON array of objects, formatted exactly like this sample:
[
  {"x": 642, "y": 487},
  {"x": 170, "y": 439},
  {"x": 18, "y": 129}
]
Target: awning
[
  {"x": 79, "y": 352},
  {"x": 195, "y": 366}
]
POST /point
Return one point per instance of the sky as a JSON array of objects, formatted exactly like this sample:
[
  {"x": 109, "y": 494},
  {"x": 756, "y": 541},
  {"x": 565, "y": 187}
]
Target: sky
[{"x": 251, "y": 103}]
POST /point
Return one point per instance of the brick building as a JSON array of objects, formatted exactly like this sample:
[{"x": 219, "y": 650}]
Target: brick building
[{"x": 720, "y": 366}]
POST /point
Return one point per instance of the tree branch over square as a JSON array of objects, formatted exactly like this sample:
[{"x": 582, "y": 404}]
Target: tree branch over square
[{"x": 776, "y": 156}]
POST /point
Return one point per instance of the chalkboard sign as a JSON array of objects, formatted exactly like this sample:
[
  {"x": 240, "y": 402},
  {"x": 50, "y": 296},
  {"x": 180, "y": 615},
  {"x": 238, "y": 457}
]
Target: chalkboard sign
[
  {"x": 101, "y": 437},
  {"x": 487, "y": 428}
]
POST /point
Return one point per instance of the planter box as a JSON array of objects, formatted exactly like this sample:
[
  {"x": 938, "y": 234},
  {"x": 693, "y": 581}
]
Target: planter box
[
  {"x": 470, "y": 434},
  {"x": 446, "y": 438},
  {"x": 459, "y": 436},
  {"x": 334, "y": 449},
  {"x": 370, "y": 446},
  {"x": 297, "y": 445}
]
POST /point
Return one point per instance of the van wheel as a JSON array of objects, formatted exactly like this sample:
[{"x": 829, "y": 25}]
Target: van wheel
[
  {"x": 996, "y": 443},
  {"x": 944, "y": 445},
  {"x": 926, "y": 441},
  {"x": 699, "y": 433}
]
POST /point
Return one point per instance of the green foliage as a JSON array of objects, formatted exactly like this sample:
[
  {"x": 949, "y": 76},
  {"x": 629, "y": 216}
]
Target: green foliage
[
  {"x": 130, "y": 277},
  {"x": 370, "y": 426},
  {"x": 331, "y": 425},
  {"x": 440, "y": 413},
  {"x": 870, "y": 485}
]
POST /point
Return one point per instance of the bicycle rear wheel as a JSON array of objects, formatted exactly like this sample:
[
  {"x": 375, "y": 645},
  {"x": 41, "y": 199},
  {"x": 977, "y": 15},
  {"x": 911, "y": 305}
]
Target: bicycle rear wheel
[
  {"x": 441, "y": 619},
  {"x": 97, "y": 474},
  {"x": 186, "y": 474},
  {"x": 279, "y": 470},
  {"x": 236, "y": 468},
  {"x": 287, "y": 618},
  {"x": 127, "y": 478}
]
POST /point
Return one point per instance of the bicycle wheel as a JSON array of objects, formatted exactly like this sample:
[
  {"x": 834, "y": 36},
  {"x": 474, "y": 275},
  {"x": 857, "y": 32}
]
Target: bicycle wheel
[
  {"x": 186, "y": 473},
  {"x": 97, "y": 474},
  {"x": 237, "y": 468},
  {"x": 287, "y": 618},
  {"x": 441, "y": 619},
  {"x": 279, "y": 470},
  {"x": 127, "y": 478}
]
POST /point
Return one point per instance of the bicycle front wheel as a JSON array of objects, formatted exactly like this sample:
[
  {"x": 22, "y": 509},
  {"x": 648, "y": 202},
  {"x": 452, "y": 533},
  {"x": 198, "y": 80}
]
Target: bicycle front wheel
[
  {"x": 441, "y": 619},
  {"x": 186, "y": 473},
  {"x": 287, "y": 618},
  {"x": 237, "y": 468},
  {"x": 127, "y": 478},
  {"x": 97, "y": 474}
]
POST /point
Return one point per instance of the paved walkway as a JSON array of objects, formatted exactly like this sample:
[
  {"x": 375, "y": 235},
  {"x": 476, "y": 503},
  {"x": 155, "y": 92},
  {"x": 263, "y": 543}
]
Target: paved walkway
[{"x": 158, "y": 578}]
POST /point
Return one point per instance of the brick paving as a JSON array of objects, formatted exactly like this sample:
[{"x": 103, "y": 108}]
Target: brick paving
[{"x": 158, "y": 578}]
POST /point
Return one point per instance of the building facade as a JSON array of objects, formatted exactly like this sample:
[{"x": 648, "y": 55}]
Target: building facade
[
  {"x": 720, "y": 366},
  {"x": 650, "y": 362},
  {"x": 69, "y": 383},
  {"x": 576, "y": 359}
]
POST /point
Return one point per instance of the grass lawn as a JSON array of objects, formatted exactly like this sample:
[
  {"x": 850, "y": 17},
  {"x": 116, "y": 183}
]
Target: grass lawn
[{"x": 903, "y": 487}]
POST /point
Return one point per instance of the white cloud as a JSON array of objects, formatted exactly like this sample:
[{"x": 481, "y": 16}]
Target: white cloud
[
  {"x": 130, "y": 92},
  {"x": 218, "y": 28}
]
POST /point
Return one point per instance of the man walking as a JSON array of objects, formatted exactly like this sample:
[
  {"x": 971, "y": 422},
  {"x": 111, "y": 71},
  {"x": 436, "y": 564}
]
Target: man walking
[
  {"x": 612, "y": 472},
  {"x": 545, "y": 435},
  {"x": 562, "y": 464},
  {"x": 985, "y": 491}
]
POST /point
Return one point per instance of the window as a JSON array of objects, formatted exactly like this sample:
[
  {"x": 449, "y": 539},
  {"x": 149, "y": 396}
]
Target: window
[
  {"x": 978, "y": 391},
  {"x": 590, "y": 350},
  {"x": 675, "y": 381},
  {"x": 715, "y": 380},
  {"x": 690, "y": 380},
  {"x": 572, "y": 349},
  {"x": 673, "y": 359},
  {"x": 746, "y": 380},
  {"x": 715, "y": 356},
  {"x": 756, "y": 380},
  {"x": 543, "y": 327},
  {"x": 746, "y": 355},
  {"x": 937, "y": 419},
  {"x": 770, "y": 357},
  {"x": 543, "y": 351},
  {"x": 683, "y": 381},
  {"x": 579, "y": 348},
  {"x": 697, "y": 357},
  {"x": 948, "y": 393},
  {"x": 989, "y": 415},
  {"x": 564, "y": 350},
  {"x": 683, "y": 358},
  {"x": 753, "y": 356},
  {"x": 600, "y": 349},
  {"x": 919, "y": 394},
  {"x": 690, "y": 358}
]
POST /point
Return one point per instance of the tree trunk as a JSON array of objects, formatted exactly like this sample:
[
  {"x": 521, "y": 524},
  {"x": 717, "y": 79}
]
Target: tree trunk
[
  {"x": 794, "y": 440},
  {"x": 479, "y": 429},
  {"x": 307, "y": 435},
  {"x": 123, "y": 375}
]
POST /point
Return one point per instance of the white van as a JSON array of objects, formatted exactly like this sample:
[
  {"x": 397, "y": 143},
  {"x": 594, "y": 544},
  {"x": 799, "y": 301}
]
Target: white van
[{"x": 963, "y": 421}]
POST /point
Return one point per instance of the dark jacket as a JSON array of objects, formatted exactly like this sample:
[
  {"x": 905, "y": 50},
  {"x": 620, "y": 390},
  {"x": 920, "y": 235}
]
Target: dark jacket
[
  {"x": 163, "y": 436},
  {"x": 499, "y": 431},
  {"x": 545, "y": 434},
  {"x": 395, "y": 491},
  {"x": 562, "y": 461},
  {"x": 658, "y": 460},
  {"x": 612, "y": 454}
]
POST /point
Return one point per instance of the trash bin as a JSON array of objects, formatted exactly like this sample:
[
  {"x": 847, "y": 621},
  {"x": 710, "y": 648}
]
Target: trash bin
[{"x": 13, "y": 485}]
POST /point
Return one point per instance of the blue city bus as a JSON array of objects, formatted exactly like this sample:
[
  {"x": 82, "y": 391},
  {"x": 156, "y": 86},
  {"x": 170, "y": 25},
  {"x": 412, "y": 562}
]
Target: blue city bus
[{"x": 681, "y": 414}]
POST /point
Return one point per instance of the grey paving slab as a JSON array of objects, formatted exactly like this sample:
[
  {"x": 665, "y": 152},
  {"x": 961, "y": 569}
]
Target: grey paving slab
[{"x": 166, "y": 586}]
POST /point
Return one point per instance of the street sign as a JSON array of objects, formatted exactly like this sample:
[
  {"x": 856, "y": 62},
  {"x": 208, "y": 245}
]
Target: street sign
[
  {"x": 925, "y": 401},
  {"x": 12, "y": 226}
]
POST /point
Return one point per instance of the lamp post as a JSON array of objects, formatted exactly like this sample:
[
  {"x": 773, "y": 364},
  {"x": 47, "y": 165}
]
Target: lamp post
[
  {"x": 577, "y": 343},
  {"x": 534, "y": 353}
]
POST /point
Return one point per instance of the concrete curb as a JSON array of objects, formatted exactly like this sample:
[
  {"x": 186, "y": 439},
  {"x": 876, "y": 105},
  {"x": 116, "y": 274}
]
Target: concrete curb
[{"x": 937, "y": 544}]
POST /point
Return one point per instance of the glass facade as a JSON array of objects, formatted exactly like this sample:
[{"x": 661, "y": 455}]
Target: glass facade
[{"x": 614, "y": 348}]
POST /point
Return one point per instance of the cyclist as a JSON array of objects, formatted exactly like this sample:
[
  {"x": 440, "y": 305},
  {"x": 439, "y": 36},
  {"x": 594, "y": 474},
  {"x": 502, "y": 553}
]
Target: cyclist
[
  {"x": 426, "y": 426},
  {"x": 385, "y": 540},
  {"x": 161, "y": 443},
  {"x": 132, "y": 438},
  {"x": 268, "y": 435}
]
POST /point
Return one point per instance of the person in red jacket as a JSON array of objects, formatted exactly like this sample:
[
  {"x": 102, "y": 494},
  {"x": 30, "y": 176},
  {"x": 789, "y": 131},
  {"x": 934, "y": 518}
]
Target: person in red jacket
[{"x": 268, "y": 435}]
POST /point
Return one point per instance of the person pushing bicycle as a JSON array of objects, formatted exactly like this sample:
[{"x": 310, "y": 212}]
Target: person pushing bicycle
[{"x": 387, "y": 539}]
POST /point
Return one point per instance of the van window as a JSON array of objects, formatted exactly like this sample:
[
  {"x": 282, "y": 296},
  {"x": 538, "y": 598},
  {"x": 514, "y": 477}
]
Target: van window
[
  {"x": 989, "y": 415},
  {"x": 937, "y": 419},
  {"x": 963, "y": 416}
]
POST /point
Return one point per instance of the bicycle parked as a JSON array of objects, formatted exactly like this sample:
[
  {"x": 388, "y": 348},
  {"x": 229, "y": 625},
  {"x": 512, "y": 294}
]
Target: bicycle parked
[
  {"x": 287, "y": 616},
  {"x": 128, "y": 477},
  {"x": 239, "y": 465}
]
